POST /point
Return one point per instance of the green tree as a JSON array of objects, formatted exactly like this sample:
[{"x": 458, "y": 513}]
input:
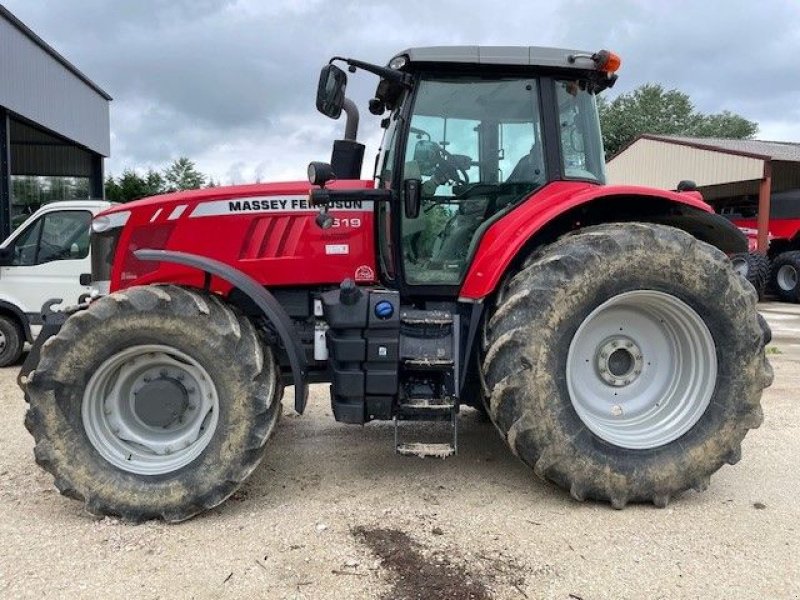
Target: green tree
[
  {"x": 652, "y": 109},
  {"x": 182, "y": 174}
]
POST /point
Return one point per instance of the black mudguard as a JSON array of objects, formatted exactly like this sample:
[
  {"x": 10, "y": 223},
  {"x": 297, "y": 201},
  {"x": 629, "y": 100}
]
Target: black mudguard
[
  {"x": 262, "y": 298},
  {"x": 709, "y": 227}
]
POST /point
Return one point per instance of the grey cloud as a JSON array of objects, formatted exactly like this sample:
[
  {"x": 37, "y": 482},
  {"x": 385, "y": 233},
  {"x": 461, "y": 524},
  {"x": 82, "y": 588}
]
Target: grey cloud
[{"x": 231, "y": 83}]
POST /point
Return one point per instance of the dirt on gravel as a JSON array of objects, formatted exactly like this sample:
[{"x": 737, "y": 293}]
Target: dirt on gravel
[
  {"x": 333, "y": 513},
  {"x": 415, "y": 575}
]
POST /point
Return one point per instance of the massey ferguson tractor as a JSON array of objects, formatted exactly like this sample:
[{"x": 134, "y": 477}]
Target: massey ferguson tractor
[{"x": 487, "y": 264}]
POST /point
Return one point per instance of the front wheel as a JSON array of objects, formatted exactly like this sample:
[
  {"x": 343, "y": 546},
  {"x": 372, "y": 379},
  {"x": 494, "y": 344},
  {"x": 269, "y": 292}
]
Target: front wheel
[
  {"x": 626, "y": 363},
  {"x": 12, "y": 341},
  {"x": 785, "y": 276},
  {"x": 155, "y": 402}
]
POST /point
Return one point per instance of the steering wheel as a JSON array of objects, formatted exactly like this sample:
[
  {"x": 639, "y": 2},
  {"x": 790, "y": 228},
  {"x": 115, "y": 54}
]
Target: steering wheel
[{"x": 450, "y": 168}]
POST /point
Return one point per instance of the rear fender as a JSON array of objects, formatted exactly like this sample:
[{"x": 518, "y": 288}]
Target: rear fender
[
  {"x": 562, "y": 207},
  {"x": 261, "y": 297}
]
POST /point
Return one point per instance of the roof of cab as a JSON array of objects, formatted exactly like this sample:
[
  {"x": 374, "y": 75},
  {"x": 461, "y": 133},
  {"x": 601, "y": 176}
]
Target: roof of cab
[{"x": 502, "y": 55}]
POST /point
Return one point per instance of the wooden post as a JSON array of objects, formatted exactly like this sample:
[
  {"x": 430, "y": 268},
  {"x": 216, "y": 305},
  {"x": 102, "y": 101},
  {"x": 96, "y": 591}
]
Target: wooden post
[{"x": 764, "y": 190}]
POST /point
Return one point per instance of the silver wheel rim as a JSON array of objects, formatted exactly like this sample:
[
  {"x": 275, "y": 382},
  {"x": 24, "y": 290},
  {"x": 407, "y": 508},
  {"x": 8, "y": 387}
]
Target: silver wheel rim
[
  {"x": 150, "y": 409},
  {"x": 787, "y": 278},
  {"x": 2, "y": 341},
  {"x": 740, "y": 266},
  {"x": 641, "y": 369}
]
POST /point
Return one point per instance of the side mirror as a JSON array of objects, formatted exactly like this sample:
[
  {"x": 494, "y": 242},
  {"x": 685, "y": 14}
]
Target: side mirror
[
  {"x": 412, "y": 192},
  {"x": 330, "y": 91},
  {"x": 426, "y": 155},
  {"x": 74, "y": 250}
]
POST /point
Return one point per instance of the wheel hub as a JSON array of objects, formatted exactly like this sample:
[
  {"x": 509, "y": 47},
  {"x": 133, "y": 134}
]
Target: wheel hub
[
  {"x": 2, "y": 341},
  {"x": 161, "y": 403},
  {"x": 150, "y": 409},
  {"x": 641, "y": 369},
  {"x": 619, "y": 361}
]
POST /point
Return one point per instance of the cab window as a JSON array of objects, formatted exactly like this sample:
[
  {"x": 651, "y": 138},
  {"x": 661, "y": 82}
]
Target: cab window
[
  {"x": 62, "y": 235},
  {"x": 476, "y": 146},
  {"x": 581, "y": 141}
]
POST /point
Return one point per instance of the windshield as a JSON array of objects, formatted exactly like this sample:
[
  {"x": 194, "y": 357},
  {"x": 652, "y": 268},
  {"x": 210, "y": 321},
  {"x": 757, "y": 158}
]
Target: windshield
[{"x": 476, "y": 145}]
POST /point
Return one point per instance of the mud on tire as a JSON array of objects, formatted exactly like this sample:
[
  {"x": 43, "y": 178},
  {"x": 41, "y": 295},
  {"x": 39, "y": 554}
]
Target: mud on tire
[
  {"x": 196, "y": 325},
  {"x": 528, "y": 340}
]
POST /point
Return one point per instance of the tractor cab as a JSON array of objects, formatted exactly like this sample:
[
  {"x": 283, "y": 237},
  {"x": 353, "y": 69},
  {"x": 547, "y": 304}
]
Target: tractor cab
[{"x": 470, "y": 133}]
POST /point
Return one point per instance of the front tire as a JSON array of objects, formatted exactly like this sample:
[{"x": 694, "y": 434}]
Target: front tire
[
  {"x": 12, "y": 341},
  {"x": 626, "y": 363},
  {"x": 785, "y": 276},
  {"x": 155, "y": 402}
]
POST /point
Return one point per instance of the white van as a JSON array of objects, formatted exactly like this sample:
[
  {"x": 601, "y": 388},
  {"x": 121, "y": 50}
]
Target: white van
[{"x": 44, "y": 258}]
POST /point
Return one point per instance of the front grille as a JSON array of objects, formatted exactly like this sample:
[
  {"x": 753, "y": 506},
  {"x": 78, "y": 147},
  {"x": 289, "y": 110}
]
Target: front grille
[{"x": 104, "y": 245}]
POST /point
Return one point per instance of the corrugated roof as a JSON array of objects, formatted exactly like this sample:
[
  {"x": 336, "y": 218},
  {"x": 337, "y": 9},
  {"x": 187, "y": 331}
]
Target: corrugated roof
[{"x": 785, "y": 151}]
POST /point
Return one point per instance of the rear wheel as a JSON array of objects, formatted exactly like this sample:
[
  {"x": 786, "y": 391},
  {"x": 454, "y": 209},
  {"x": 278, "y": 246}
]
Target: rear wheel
[
  {"x": 155, "y": 402},
  {"x": 785, "y": 276},
  {"x": 12, "y": 340},
  {"x": 626, "y": 363},
  {"x": 754, "y": 267}
]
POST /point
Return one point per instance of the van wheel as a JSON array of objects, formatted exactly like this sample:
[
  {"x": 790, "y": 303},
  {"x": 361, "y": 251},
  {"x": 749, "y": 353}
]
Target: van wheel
[{"x": 11, "y": 341}]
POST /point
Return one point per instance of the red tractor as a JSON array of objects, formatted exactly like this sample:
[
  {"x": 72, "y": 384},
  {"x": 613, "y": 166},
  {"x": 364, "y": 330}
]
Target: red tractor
[
  {"x": 602, "y": 328},
  {"x": 779, "y": 269}
]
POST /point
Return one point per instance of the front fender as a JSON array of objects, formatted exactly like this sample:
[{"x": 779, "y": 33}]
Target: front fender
[{"x": 261, "y": 297}]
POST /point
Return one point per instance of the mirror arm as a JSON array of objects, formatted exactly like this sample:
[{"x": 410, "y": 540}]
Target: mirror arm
[
  {"x": 351, "y": 127},
  {"x": 382, "y": 72}
]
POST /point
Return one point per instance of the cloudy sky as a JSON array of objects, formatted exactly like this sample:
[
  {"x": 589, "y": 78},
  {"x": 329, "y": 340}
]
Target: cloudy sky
[{"x": 230, "y": 83}]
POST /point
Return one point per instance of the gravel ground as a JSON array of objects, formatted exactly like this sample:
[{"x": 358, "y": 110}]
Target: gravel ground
[{"x": 333, "y": 513}]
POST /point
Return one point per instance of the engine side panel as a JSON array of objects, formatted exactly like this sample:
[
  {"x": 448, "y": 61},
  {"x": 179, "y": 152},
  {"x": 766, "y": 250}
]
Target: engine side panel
[{"x": 265, "y": 231}]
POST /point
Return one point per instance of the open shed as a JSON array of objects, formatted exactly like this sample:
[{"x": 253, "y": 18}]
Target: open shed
[{"x": 727, "y": 172}]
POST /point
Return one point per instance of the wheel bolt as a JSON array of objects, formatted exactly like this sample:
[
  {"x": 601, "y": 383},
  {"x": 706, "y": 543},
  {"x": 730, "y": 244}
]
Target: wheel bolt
[
  {"x": 629, "y": 345},
  {"x": 148, "y": 379},
  {"x": 190, "y": 407}
]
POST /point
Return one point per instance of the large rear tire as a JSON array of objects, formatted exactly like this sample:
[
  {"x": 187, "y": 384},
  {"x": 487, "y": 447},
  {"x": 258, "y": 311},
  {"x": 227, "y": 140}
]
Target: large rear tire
[
  {"x": 155, "y": 402},
  {"x": 626, "y": 363}
]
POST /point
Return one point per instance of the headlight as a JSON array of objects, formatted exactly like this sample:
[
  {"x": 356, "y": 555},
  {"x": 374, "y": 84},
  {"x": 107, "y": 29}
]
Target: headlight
[
  {"x": 110, "y": 221},
  {"x": 398, "y": 62}
]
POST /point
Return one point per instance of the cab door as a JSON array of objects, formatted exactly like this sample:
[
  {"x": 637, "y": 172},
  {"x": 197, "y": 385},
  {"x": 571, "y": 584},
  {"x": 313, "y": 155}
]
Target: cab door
[{"x": 46, "y": 260}]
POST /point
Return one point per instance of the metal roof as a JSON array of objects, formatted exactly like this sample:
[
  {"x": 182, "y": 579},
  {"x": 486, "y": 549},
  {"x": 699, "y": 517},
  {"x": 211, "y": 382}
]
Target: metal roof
[
  {"x": 42, "y": 88},
  {"x": 766, "y": 150},
  {"x": 9, "y": 16},
  {"x": 502, "y": 55}
]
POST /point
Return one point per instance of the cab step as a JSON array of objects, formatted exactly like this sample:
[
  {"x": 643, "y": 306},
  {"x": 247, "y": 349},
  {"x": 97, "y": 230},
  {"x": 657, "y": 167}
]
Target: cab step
[
  {"x": 426, "y": 409},
  {"x": 424, "y": 450},
  {"x": 436, "y": 412}
]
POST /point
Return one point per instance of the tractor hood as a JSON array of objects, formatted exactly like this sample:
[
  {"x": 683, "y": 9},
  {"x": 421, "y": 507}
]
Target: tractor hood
[{"x": 255, "y": 190}]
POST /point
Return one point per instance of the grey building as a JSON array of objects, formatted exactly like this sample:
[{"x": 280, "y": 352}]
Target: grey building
[{"x": 54, "y": 121}]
